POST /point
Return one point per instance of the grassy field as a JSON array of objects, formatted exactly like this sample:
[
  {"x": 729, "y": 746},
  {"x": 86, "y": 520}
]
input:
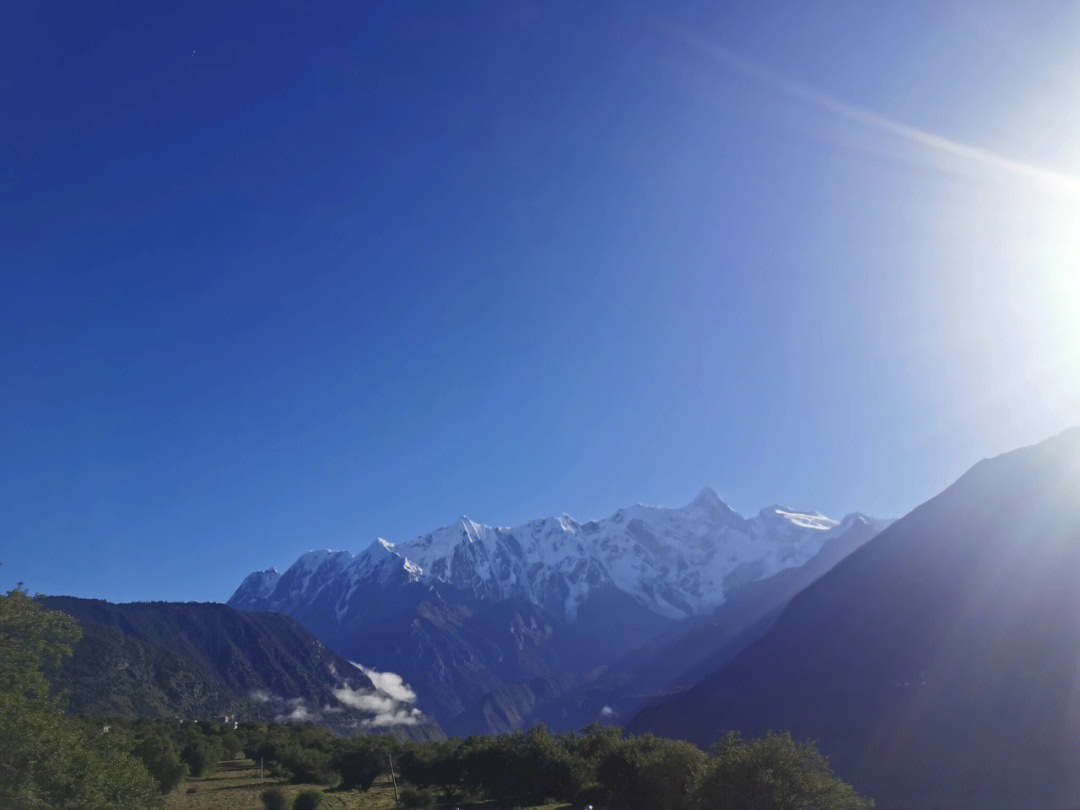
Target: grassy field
[{"x": 236, "y": 786}]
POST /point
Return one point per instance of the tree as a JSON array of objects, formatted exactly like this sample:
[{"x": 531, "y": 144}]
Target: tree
[
  {"x": 232, "y": 745},
  {"x": 160, "y": 757},
  {"x": 308, "y": 800},
  {"x": 49, "y": 761},
  {"x": 772, "y": 773},
  {"x": 521, "y": 769},
  {"x": 361, "y": 762},
  {"x": 670, "y": 774},
  {"x": 201, "y": 754},
  {"x": 31, "y": 637},
  {"x": 310, "y": 766},
  {"x": 431, "y": 764}
]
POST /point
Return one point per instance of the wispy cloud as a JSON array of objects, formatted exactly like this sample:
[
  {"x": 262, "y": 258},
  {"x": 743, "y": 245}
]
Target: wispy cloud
[
  {"x": 391, "y": 683},
  {"x": 299, "y": 712},
  {"x": 299, "y": 715},
  {"x": 390, "y": 703},
  {"x": 365, "y": 701},
  {"x": 401, "y": 717}
]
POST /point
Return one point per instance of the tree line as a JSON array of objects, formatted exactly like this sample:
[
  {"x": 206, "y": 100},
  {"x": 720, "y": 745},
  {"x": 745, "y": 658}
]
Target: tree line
[
  {"x": 598, "y": 765},
  {"x": 49, "y": 761}
]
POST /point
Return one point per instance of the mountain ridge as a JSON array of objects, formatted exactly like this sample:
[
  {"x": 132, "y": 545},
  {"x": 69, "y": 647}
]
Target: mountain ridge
[
  {"x": 498, "y": 561},
  {"x": 499, "y": 622}
]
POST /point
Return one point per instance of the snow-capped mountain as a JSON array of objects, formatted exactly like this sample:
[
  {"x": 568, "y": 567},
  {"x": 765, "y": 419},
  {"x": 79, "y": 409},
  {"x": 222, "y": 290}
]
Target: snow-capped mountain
[
  {"x": 490, "y": 624},
  {"x": 674, "y": 562}
]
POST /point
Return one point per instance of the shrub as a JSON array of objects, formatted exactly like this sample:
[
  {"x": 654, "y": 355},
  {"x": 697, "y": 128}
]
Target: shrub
[
  {"x": 416, "y": 797},
  {"x": 308, "y": 800},
  {"x": 274, "y": 799},
  {"x": 773, "y": 773}
]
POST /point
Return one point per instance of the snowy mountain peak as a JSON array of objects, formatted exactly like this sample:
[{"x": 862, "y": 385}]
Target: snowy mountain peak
[
  {"x": 380, "y": 549},
  {"x": 709, "y": 502},
  {"x": 858, "y": 517},
  {"x": 470, "y": 529},
  {"x": 260, "y": 584},
  {"x": 675, "y": 562},
  {"x": 708, "y": 497}
]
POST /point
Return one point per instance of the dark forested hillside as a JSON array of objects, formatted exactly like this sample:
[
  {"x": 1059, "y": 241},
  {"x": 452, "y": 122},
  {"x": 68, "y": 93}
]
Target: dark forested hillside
[
  {"x": 938, "y": 665},
  {"x": 203, "y": 660},
  {"x": 110, "y": 673}
]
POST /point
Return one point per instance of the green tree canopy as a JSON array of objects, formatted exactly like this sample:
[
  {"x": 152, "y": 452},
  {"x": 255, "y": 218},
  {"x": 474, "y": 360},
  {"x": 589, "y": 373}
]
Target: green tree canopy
[
  {"x": 49, "y": 761},
  {"x": 773, "y": 773}
]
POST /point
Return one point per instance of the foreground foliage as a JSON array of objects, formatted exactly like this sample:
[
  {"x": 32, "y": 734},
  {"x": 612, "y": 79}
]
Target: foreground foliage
[
  {"x": 274, "y": 799},
  {"x": 775, "y": 773},
  {"x": 599, "y": 766},
  {"x": 49, "y": 761},
  {"x": 52, "y": 762}
]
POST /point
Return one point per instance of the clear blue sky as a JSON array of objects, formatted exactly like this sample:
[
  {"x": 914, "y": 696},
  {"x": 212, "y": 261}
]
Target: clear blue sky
[{"x": 284, "y": 276}]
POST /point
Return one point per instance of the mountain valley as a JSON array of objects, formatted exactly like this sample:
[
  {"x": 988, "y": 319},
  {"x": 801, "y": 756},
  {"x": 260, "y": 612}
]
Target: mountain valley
[{"x": 558, "y": 621}]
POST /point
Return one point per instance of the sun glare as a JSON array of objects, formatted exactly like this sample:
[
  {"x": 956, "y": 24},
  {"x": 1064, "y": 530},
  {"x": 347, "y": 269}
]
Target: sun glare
[{"x": 1042, "y": 250}]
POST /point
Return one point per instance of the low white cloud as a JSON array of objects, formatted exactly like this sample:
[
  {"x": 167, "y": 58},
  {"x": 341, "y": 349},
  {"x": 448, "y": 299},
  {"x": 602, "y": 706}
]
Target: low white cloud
[
  {"x": 299, "y": 714},
  {"x": 260, "y": 696},
  {"x": 366, "y": 701},
  {"x": 401, "y": 717},
  {"x": 607, "y": 713},
  {"x": 389, "y": 682},
  {"x": 390, "y": 703}
]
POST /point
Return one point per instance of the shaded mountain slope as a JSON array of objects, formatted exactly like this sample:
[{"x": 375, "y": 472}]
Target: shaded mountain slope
[
  {"x": 688, "y": 652},
  {"x": 202, "y": 660},
  {"x": 939, "y": 665}
]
